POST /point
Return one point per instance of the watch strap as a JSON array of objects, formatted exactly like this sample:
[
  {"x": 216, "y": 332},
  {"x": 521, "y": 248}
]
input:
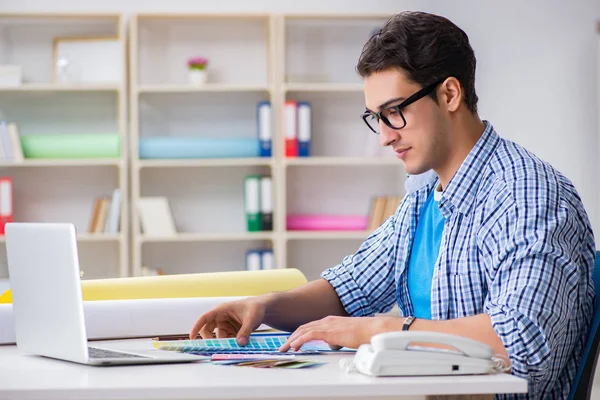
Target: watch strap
[{"x": 407, "y": 322}]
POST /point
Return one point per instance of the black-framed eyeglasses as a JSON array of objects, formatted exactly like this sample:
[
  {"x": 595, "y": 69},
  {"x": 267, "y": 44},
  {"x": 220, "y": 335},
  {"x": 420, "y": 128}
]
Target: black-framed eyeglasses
[{"x": 392, "y": 116}]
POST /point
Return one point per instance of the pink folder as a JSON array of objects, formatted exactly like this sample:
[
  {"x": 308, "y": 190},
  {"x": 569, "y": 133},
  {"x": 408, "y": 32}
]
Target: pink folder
[{"x": 308, "y": 222}]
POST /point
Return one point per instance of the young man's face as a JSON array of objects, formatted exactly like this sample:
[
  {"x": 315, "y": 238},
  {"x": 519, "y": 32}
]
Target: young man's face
[{"x": 422, "y": 143}]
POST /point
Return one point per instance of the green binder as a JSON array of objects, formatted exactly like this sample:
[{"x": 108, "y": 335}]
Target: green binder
[{"x": 252, "y": 203}]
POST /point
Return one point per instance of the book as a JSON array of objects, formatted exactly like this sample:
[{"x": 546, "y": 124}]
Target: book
[
  {"x": 291, "y": 128},
  {"x": 6, "y": 202},
  {"x": 304, "y": 128},
  {"x": 114, "y": 213},
  {"x": 382, "y": 207},
  {"x": 265, "y": 131},
  {"x": 95, "y": 212},
  {"x": 155, "y": 216},
  {"x": 15, "y": 143},
  {"x": 266, "y": 203},
  {"x": 252, "y": 203},
  {"x": 253, "y": 260},
  {"x": 267, "y": 261},
  {"x": 102, "y": 212}
]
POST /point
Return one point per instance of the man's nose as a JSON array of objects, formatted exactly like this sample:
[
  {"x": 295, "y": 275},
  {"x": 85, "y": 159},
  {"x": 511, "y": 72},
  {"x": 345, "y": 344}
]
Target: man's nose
[{"x": 387, "y": 135}]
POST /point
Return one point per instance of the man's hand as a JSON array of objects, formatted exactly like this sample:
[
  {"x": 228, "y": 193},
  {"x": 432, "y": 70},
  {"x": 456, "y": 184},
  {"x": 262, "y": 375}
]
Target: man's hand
[
  {"x": 340, "y": 332},
  {"x": 234, "y": 319}
]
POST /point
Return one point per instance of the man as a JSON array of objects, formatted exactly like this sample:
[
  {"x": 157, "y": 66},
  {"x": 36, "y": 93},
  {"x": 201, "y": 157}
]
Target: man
[{"x": 490, "y": 242}]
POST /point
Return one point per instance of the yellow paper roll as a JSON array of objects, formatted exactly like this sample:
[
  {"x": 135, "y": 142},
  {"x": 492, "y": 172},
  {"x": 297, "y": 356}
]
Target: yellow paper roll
[{"x": 212, "y": 284}]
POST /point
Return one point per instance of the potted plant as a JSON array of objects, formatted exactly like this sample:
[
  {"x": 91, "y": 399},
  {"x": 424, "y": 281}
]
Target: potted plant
[{"x": 197, "y": 70}]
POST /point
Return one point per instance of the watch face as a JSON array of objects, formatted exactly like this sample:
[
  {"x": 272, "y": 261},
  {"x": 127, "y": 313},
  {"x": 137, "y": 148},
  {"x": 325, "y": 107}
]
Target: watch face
[{"x": 407, "y": 323}]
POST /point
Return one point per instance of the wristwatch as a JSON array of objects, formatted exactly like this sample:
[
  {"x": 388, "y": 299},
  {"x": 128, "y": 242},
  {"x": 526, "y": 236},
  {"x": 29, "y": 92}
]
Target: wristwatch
[{"x": 407, "y": 322}]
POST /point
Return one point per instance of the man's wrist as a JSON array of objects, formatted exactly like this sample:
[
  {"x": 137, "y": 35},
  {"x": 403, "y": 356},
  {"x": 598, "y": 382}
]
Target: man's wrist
[{"x": 408, "y": 322}]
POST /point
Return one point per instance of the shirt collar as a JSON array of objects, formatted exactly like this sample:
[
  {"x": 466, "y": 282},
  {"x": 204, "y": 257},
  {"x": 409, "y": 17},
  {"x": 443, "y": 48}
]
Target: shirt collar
[{"x": 462, "y": 188}]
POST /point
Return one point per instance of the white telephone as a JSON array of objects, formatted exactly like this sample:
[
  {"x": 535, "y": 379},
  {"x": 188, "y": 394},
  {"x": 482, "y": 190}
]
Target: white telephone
[{"x": 390, "y": 354}]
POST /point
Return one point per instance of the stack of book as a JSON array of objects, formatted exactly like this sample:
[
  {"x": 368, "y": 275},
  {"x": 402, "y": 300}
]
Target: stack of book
[
  {"x": 382, "y": 207},
  {"x": 10, "y": 142},
  {"x": 106, "y": 213},
  {"x": 297, "y": 119},
  {"x": 259, "y": 259},
  {"x": 258, "y": 202},
  {"x": 156, "y": 218},
  {"x": 6, "y": 201}
]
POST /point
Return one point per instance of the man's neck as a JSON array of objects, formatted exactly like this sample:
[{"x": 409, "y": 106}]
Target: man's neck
[{"x": 465, "y": 134}]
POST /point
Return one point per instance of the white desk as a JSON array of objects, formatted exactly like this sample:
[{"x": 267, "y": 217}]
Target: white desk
[{"x": 32, "y": 377}]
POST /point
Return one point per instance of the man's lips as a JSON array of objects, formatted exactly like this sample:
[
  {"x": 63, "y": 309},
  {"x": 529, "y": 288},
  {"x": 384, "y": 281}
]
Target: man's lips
[{"x": 401, "y": 152}]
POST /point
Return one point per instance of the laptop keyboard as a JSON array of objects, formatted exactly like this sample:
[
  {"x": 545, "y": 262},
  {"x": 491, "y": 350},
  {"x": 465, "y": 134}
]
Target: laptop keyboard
[{"x": 102, "y": 353}]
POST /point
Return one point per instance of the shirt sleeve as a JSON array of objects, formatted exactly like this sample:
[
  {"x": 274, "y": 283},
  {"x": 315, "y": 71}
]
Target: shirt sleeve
[
  {"x": 537, "y": 247},
  {"x": 364, "y": 281}
]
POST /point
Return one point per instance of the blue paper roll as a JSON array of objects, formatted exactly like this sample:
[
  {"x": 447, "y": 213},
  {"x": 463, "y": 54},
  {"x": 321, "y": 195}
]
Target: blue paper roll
[{"x": 197, "y": 147}]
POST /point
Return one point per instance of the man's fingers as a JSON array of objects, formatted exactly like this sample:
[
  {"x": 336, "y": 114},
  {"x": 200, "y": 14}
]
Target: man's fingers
[
  {"x": 200, "y": 323},
  {"x": 307, "y": 337},
  {"x": 207, "y": 330},
  {"x": 227, "y": 328},
  {"x": 295, "y": 335},
  {"x": 302, "y": 329},
  {"x": 249, "y": 324}
]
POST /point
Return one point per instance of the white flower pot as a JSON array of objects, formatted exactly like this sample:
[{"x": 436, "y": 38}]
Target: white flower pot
[{"x": 197, "y": 76}]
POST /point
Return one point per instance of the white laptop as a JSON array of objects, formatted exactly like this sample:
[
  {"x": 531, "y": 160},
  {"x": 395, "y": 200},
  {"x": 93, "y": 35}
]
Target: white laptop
[{"x": 43, "y": 267}]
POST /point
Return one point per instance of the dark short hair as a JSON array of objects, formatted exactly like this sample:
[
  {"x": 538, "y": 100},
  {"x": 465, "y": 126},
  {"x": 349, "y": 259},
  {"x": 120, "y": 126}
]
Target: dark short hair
[{"x": 426, "y": 47}]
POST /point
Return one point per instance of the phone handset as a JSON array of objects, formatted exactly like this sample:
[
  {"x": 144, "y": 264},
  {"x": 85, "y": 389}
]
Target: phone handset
[{"x": 402, "y": 340}]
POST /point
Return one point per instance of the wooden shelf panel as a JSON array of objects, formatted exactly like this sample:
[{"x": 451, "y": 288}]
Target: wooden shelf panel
[
  {"x": 51, "y": 87},
  {"x": 326, "y": 235},
  {"x": 209, "y": 87},
  {"x": 323, "y": 87},
  {"x": 88, "y": 237},
  {"x": 204, "y": 237},
  {"x": 91, "y": 162},
  {"x": 215, "y": 162},
  {"x": 341, "y": 161}
]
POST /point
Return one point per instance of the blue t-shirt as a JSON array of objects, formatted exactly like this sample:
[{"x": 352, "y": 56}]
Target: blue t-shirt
[{"x": 423, "y": 255}]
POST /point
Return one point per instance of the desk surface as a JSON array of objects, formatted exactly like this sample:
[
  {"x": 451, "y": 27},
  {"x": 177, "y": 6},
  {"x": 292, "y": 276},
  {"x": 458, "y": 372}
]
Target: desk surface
[{"x": 28, "y": 376}]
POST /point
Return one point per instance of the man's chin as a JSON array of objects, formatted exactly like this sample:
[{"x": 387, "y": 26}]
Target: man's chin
[{"x": 414, "y": 170}]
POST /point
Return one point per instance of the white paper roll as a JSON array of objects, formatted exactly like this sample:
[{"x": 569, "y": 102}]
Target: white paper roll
[{"x": 112, "y": 319}]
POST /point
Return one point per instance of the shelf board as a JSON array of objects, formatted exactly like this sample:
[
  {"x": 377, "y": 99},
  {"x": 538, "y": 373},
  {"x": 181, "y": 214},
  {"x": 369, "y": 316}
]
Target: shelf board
[
  {"x": 88, "y": 237},
  {"x": 54, "y": 87},
  {"x": 341, "y": 161},
  {"x": 323, "y": 87},
  {"x": 43, "y": 162},
  {"x": 206, "y": 237},
  {"x": 203, "y": 162},
  {"x": 324, "y": 235},
  {"x": 210, "y": 87}
]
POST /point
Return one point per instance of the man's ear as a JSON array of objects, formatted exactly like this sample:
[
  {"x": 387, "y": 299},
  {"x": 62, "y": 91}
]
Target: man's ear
[{"x": 451, "y": 94}]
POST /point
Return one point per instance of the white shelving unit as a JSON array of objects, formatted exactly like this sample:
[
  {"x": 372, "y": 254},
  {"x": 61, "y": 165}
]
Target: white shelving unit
[
  {"x": 63, "y": 190},
  {"x": 252, "y": 58},
  {"x": 347, "y": 166},
  {"x": 205, "y": 195}
]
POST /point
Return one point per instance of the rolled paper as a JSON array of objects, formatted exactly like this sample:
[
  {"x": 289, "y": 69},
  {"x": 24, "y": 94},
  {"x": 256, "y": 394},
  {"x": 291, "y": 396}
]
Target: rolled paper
[
  {"x": 210, "y": 284},
  {"x": 71, "y": 146},
  {"x": 197, "y": 147},
  {"x": 116, "y": 319}
]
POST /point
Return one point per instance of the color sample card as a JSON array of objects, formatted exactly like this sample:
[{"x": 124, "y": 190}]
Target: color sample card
[
  {"x": 258, "y": 344},
  {"x": 270, "y": 363}
]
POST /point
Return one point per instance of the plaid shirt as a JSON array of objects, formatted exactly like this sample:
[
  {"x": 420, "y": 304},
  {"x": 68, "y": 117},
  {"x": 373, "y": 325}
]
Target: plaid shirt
[{"x": 517, "y": 245}]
